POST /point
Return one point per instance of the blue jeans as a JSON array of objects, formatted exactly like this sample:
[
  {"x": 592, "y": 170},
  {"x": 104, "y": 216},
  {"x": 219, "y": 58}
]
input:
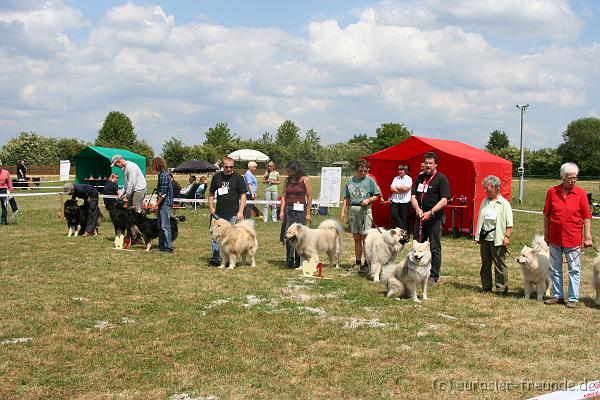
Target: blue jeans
[
  {"x": 165, "y": 241},
  {"x": 216, "y": 251},
  {"x": 572, "y": 254},
  {"x": 270, "y": 196}
]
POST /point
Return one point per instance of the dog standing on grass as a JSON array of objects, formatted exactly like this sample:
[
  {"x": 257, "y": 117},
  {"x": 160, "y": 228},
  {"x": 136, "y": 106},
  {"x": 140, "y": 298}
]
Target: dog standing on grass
[
  {"x": 382, "y": 247},
  {"x": 401, "y": 280},
  {"x": 308, "y": 242},
  {"x": 236, "y": 242},
  {"x": 534, "y": 262}
]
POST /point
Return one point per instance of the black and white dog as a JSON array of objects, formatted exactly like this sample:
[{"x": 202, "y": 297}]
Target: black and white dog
[{"x": 77, "y": 217}]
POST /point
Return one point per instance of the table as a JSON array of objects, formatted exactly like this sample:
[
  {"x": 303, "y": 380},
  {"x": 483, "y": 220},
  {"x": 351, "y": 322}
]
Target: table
[{"x": 455, "y": 232}]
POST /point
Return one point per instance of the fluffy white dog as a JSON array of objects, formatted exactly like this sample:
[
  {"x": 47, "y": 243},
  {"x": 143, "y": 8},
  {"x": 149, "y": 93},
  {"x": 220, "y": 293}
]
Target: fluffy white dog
[
  {"x": 401, "y": 280},
  {"x": 534, "y": 262},
  {"x": 236, "y": 242},
  {"x": 382, "y": 247},
  {"x": 327, "y": 238}
]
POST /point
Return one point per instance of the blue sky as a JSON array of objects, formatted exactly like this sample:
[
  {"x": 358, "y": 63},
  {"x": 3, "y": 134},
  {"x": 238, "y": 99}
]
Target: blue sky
[{"x": 446, "y": 68}]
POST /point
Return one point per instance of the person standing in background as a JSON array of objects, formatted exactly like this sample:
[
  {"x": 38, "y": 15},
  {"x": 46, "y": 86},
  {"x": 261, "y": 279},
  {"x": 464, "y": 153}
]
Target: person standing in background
[
  {"x": 400, "y": 199},
  {"x": 6, "y": 188},
  {"x": 135, "y": 182},
  {"x": 271, "y": 181},
  {"x": 164, "y": 204},
  {"x": 252, "y": 185}
]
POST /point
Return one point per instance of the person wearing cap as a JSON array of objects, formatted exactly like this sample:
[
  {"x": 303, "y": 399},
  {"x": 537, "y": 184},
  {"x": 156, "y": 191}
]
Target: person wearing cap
[
  {"x": 400, "y": 199},
  {"x": 6, "y": 188},
  {"x": 89, "y": 195},
  {"x": 134, "y": 182}
]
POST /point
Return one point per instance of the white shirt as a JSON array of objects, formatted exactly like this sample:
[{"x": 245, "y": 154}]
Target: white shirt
[
  {"x": 401, "y": 197},
  {"x": 134, "y": 178}
]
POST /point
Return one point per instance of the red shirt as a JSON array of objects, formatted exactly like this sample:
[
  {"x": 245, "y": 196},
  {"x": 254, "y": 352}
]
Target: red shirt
[
  {"x": 566, "y": 214},
  {"x": 5, "y": 182}
]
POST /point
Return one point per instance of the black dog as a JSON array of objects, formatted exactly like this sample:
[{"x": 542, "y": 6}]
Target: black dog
[
  {"x": 119, "y": 217},
  {"x": 148, "y": 227},
  {"x": 77, "y": 217}
]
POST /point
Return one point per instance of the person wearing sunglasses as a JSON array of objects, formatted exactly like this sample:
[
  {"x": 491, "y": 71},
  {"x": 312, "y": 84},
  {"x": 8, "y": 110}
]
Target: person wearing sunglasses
[
  {"x": 229, "y": 187},
  {"x": 360, "y": 192}
]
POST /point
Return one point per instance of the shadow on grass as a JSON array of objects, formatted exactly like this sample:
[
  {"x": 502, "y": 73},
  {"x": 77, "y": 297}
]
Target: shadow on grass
[
  {"x": 477, "y": 289},
  {"x": 589, "y": 302}
]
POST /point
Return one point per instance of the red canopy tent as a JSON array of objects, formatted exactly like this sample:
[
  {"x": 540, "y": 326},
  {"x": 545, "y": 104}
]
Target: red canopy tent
[{"x": 464, "y": 165}]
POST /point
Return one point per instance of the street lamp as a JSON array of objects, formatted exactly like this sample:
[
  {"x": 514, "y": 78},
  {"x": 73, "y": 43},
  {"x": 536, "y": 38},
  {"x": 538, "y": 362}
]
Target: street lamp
[{"x": 521, "y": 169}]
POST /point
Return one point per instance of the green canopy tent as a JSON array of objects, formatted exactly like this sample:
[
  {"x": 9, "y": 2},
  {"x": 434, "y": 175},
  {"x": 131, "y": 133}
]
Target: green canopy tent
[{"x": 93, "y": 164}]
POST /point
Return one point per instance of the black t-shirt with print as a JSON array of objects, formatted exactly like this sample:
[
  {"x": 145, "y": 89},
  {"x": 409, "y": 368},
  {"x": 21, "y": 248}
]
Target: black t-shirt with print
[
  {"x": 437, "y": 188},
  {"x": 228, "y": 204}
]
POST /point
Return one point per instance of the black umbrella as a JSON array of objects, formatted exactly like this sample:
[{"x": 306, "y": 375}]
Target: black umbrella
[{"x": 191, "y": 166}]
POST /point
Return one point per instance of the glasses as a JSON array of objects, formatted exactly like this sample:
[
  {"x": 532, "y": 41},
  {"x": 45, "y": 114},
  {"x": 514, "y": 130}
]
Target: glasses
[{"x": 228, "y": 167}]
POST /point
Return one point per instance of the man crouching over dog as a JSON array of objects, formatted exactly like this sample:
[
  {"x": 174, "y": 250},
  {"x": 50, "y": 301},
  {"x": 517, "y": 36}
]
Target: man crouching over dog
[
  {"x": 164, "y": 203},
  {"x": 89, "y": 195},
  {"x": 230, "y": 189}
]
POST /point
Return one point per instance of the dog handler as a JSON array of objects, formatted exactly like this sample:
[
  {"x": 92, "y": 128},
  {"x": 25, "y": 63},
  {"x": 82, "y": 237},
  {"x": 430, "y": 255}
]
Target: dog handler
[
  {"x": 566, "y": 212},
  {"x": 134, "y": 183},
  {"x": 360, "y": 192},
  {"x": 89, "y": 195},
  {"x": 164, "y": 188},
  {"x": 5, "y": 188},
  {"x": 494, "y": 227},
  {"x": 296, "y": 204},
  {"x": 430, "y": 195},
  {"x": 230, "y": 190}
]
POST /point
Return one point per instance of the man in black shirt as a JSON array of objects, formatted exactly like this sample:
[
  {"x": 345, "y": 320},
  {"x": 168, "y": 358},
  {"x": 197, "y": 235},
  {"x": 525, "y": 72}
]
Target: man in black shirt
[
  {"x": 89, "y": 194},
  {"x": 430, "y": 195},
  {"x": 230, "y": 190}
]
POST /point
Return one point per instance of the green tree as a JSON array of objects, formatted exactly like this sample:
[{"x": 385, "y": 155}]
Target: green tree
[
  {"x": 582, "y": 145},
  {"x": 498, "y": 140},
  {"x": 142, "y": 148},
  {"x": 545, "y": 162},
  {"x": 512, "y": 154},
  {"x": 68, "y": 148},
  {"x": 221, "y": 138},
  {"x": 195, "y": 152},
  {"x": 35, "y": 149},
  {"x": 389, "y": 134},
  {"x": 174, "y": 152},
  {"x": 117, "y": 131},
  {"x": 288, "y": 135}
]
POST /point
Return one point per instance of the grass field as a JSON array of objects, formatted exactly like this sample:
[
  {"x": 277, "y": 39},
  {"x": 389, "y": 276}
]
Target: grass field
[{"x": 101, "y": 324}]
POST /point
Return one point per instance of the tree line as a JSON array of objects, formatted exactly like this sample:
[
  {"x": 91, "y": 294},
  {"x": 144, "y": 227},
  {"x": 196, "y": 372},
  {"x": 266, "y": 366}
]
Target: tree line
[{"x": 581, "y": 144}]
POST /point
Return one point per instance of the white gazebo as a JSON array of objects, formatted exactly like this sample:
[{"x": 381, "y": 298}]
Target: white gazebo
[{"x": 249, "y": 155}]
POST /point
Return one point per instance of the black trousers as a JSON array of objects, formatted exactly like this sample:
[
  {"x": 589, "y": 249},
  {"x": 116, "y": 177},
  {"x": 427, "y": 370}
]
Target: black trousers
[
  {"x": 292, "y": 258},
  {"x": 3, "y": 201},
  {"x": 399, "y": 213},
  {"x": 432, "y": 230},
  {"x": 92, "y": 214}
]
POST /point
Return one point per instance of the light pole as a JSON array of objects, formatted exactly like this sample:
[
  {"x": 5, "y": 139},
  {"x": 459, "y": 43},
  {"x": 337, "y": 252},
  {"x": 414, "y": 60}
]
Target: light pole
[{"x": 521, "y": 169}]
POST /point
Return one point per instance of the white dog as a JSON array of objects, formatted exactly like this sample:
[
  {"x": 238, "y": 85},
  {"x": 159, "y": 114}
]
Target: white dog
[
  {"x": 596, "y": 277},
  {"x": 328, "y": 238},
  {"x": 534, "y": 262},
  {"x": 401, "y": 280},
  {"x": 382, "y": 247},
  {"x": 235, "y": 241}
]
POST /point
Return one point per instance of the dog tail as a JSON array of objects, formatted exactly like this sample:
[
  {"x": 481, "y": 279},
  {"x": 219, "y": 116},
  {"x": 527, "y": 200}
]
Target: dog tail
[
  {"x": 539, "y": 244},
  {"x": 248, "y": 225},
  {"x": 333, "y": 224}
]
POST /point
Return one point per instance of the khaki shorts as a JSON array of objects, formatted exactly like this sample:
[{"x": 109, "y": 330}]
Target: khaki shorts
[
  {"x": 137, "y": 200},
  {"x": 359, "y": 219}
]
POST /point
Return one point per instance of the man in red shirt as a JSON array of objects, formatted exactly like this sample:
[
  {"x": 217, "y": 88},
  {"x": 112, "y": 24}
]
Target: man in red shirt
[{"x": 566, "y": 213}]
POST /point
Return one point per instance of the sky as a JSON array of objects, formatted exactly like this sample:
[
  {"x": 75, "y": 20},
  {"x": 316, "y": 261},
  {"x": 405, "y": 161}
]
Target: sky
[{"x": 450, "y": 69}]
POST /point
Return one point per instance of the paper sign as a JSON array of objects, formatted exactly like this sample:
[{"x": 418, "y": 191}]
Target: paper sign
[
  {"x": 65, "y": 167},
  {"x": 331, "y": 181}
]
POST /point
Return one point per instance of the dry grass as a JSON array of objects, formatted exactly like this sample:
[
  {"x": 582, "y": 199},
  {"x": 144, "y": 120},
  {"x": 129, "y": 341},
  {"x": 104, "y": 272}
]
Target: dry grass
[{"x": 175, "y": 325}]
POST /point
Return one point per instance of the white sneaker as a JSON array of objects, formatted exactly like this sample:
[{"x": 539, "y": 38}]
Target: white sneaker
[{"x": 13, "y": 217}]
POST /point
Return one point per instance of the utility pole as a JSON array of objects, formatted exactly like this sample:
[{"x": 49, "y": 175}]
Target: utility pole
[{"x": 521, "y": 169}]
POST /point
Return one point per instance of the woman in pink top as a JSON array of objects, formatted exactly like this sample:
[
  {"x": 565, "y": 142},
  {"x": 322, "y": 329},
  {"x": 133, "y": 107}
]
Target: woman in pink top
[{"x": 6, "y": 187}]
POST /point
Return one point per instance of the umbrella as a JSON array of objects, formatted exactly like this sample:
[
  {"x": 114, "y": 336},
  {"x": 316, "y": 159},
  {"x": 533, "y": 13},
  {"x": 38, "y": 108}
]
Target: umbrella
[
  {"x": 249, "y": 155},
  {"x": 188, "y": 167}
]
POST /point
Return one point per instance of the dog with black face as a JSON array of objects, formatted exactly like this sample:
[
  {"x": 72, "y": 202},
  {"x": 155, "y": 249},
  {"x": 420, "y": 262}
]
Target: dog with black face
[
  {"x": 77, "y": 217},
  {"x": 147, "y": 228}
]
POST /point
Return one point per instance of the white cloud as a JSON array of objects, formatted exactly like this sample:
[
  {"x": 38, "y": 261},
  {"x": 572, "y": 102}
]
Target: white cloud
[{"x": 429, "y": 64}]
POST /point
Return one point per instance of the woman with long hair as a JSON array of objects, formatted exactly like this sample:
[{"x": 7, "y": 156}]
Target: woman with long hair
[
  {"x": 296, "y": 203},
  {"x": 271, "y": 181}
]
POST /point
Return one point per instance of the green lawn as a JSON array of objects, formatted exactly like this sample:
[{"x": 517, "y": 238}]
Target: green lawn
[{"x": 104, "y": 324}]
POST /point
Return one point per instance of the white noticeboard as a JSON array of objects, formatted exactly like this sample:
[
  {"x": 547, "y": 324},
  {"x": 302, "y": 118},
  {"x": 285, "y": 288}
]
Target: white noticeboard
[
  {"x": 65, "y": 167},
  {"x": 331, "y": 181}
]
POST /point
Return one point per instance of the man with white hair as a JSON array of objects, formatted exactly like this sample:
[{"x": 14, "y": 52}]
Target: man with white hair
[
  {"x": 566, "y": 213},
  {"x": 134, "y": 183},
  {"x": 252, "y": 185}
]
